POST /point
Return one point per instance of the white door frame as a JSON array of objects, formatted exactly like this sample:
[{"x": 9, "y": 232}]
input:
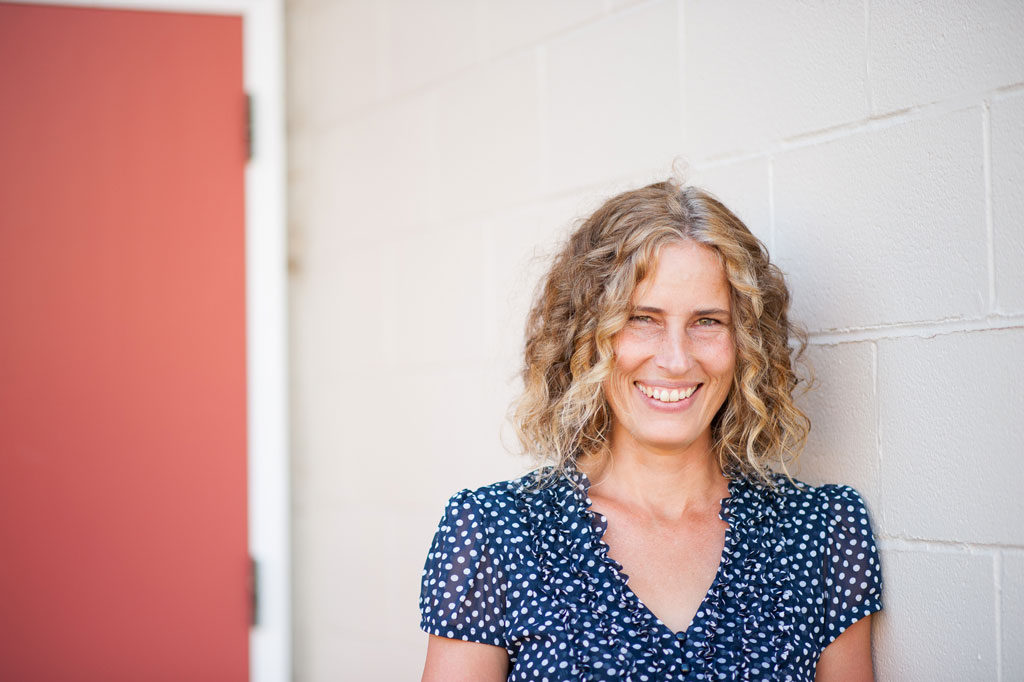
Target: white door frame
[{"x": 266, "y": 316}]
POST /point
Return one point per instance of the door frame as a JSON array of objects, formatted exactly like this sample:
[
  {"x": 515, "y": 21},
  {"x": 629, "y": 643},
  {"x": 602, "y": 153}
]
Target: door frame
[{"x": 266, "y": 268}]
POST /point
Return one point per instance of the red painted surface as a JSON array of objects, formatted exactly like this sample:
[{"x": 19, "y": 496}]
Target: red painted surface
[{"x": 123, "y": 549}]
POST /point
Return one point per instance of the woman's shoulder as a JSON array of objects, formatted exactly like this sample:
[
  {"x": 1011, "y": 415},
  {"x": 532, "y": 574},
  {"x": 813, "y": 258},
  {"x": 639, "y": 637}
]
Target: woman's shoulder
[
  {"x": 495, "y": 503},
  {"x": 537, "y": 483},
  {"x": 795, "y": 502},
  {"x": 499, "y": 493},
  {"x": 796, "y": 490},
  {"x": 827, "y": 538}
]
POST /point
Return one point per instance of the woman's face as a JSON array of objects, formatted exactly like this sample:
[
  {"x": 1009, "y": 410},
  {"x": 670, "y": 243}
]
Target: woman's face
[{"x": 675, "y": 358}]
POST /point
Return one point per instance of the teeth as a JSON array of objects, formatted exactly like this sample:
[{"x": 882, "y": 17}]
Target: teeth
[{"x": 666, "y": 395}]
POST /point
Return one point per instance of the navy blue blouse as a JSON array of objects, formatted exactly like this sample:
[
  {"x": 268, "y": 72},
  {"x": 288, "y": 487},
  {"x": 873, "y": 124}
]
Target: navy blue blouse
[{"x": 528, "y": 570}]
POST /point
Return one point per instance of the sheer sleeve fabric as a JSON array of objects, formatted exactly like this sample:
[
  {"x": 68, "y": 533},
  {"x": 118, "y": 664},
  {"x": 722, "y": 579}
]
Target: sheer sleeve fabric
[
  {"x": 462, "y": 593},
  {"x": 852, "y": 573}
]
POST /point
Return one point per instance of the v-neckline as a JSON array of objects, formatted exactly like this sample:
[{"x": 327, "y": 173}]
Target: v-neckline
[{"x": 598, "y": 524}]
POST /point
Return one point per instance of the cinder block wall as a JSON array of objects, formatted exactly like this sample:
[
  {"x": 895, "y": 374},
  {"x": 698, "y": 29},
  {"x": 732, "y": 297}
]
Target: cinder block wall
[{"x": 438, "y": 148}]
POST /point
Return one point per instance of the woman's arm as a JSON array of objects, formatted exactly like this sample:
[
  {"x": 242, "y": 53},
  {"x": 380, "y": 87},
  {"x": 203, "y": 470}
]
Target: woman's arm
[
  {"x": 848, "y": 658},
  {"x": 453, "y": 660}
]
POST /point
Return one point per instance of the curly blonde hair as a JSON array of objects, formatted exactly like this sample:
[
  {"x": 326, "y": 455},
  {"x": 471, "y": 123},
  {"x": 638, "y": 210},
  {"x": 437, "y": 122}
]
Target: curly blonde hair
[{"x": 584, "y": 301}]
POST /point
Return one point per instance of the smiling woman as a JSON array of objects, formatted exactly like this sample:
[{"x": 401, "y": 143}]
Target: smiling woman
[
  {"x": 656, "y": 541},
  {"x": 675, "y": 358}
]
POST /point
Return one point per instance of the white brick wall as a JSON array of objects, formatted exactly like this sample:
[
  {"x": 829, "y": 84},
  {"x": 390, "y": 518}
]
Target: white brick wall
[
  {"x": 745, "y": 187},
  {"x": 1007, "y": 134},
  {"x": 489, "y": 136},
  {"x": 335, "y": 35},
  {"x": 1012, "y": 614},
  {"x": 939, "y": 621},
  {"x": 904, "y": 239},
  {"x": 921, "y": 52},
  {"x": 843, "y": 409},
  {"x": 612, "y": 96},
  {"x": 758, "y": 72},
  {"x": 439, "y": 148},
  {"x": 952, "y": 429}
]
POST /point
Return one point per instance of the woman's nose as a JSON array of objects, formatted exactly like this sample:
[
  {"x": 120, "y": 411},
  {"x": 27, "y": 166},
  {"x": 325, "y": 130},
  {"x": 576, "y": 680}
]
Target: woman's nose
[{"x": 675, "y": 352}]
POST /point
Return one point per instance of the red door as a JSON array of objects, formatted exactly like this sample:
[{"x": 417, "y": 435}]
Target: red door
[{"x": 123, "y": 548}]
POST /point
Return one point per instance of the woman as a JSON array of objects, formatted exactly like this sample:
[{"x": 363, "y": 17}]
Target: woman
[{"x": 658, "y": 544}]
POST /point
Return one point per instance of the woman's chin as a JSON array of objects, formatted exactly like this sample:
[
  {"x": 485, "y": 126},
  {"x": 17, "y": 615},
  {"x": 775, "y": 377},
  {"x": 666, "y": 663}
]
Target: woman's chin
[{"x": 668, "y": 443}]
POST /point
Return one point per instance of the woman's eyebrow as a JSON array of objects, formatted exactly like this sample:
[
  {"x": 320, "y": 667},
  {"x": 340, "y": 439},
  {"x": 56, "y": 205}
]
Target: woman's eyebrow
[{"x": 659, "y": 311}]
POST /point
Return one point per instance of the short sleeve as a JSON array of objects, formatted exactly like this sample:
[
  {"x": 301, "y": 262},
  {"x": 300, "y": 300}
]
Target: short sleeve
[
  {"x": 853, "y": 577},
  {"x": 462, "y": 594}
]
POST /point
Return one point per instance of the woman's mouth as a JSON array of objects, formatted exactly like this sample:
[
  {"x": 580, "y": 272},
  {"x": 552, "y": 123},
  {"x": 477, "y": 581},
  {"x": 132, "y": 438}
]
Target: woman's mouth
[{"x": 665, "y": 394}]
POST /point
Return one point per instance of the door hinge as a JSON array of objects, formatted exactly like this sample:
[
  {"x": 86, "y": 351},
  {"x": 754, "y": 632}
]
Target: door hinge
[
  {"x": 254, "y": 592},
  {"x": 250, "y": 133}
]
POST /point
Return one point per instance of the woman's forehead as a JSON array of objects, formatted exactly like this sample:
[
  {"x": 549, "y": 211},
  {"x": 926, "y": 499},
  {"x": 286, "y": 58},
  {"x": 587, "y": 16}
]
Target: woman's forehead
[{"x": 687, "y": 274}]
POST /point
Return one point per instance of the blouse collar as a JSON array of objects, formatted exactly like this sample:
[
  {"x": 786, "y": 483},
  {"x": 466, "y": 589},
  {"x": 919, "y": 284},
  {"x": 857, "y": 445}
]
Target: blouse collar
[{"x": 749, "y": 501}]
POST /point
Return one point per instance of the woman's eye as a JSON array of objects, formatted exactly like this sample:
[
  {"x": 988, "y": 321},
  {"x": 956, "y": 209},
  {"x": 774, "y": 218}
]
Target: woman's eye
[
  {"x": 707, "y": 322},
  {"x": 640, "y": 318}
]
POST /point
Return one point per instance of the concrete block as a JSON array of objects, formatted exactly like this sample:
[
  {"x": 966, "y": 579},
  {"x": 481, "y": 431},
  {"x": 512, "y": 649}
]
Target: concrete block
[
  {"x": 338, "y": 655},
  {"x": 744, "y": 187},
  {"x": 342, "y": 457},
  {"x": 339, "y": 560},
  {"x": 489, "y": 137},
  {"x": 349, "y": 654},
  {"x": 757, "y": 74},
  {"x": 523, "y": 243},
  {"x": 951, "y": 436},
  {"x": 354, "y": 307},
  {"x": 335, "y": 61},
  {"x": 347, "y": 449},
  {"x": 354, "y": 451},
  {"x": 427, "y": 41},
  {"x": 509, "y": 25},
  {"x": 938, "y": 621},
  {"x": 612, "y": 96},
  {"x": 843, "y": 444},
  {"x": 922, "y": 52},
  {"x": 885, "y": 226},
  {"x": 1007, "y": 136},
  {"x": 1012, "y": 615},
  {"x": 367, "y": 557},
  {"x": 373, "y": 176},
  {"x": 443, "y": 291},
  {"x": 457, "y": 443}
]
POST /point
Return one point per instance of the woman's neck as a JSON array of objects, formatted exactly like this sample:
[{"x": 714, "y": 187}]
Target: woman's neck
[{"x": 667, "y": 485}]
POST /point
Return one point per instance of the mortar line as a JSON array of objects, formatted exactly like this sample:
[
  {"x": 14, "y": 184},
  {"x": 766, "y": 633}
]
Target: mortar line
[
  {"x": 871, "y": 123},
  {"x": 986, "y": 164},
  {"x": 1011, "y": 89},
  {"x": 867, "y": 56},
  {"x": 905, "y": 543},
  {"x": 997, "y": 568},
  {"x": 478, "y": 63},
  {"x": 878, "y": 419},
  {"x": 926, "y": 329}
]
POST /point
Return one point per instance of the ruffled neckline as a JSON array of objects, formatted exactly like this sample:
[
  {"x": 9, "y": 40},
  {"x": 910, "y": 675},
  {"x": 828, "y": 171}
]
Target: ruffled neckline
[
  {"x": 747, "y": 502},
  {"x": 568, "y": 548},
  {"x": 744, "y": 504}
]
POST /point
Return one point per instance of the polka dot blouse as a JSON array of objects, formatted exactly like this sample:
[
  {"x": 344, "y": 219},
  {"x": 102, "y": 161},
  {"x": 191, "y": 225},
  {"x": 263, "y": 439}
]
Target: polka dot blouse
[{"x": 527, "y": 569}]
